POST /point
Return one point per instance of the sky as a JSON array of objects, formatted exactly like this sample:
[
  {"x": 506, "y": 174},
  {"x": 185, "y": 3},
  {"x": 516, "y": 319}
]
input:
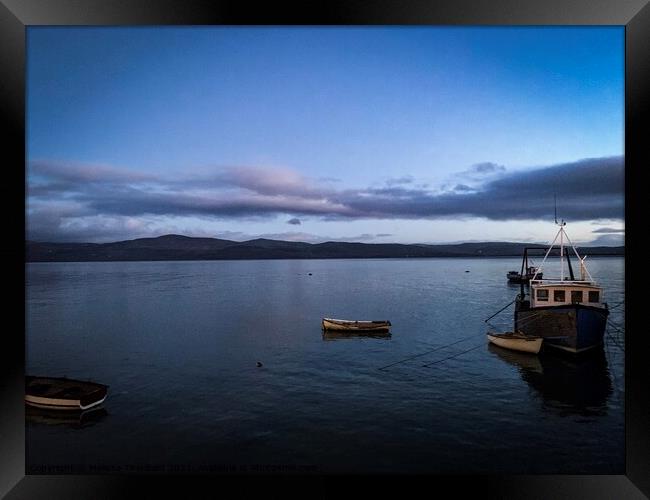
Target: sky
[{"x": 369, "y": 134}]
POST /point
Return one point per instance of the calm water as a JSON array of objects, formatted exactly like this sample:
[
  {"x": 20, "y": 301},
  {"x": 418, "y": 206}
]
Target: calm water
[{"x": 178, "y": 343}]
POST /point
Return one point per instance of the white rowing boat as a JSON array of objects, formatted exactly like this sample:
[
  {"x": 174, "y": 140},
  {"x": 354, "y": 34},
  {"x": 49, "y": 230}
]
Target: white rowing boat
[
  {"x": 355, "y": 326},
  {"x": 63, "y": 393},
  {"x": 516, "y": 341}
]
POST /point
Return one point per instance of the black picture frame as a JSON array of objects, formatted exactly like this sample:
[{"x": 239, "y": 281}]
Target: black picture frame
[{"x": 16, "y": 15}]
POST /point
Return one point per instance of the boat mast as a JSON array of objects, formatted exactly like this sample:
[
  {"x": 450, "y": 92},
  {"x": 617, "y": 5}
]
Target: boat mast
[
  {"x": 561, "y": 254},
  {"x": 562, "y": 224},
  {"x": 524, "y": 261},
  {"x": 568, "y": 261}
]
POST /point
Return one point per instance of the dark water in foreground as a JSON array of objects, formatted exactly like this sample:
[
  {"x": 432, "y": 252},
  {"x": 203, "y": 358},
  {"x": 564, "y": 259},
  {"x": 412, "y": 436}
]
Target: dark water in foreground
[{"x": 178, "y": 344}]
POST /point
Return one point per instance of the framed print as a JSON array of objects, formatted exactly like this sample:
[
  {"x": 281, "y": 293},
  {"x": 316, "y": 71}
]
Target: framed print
[{"x": 280, "y": 248}]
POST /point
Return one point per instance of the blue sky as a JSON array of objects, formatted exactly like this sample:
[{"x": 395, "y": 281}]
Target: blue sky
[{"x": 375, "y": 134}]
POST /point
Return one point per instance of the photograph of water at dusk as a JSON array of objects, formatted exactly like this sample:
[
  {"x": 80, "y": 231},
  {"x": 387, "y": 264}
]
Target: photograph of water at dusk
[{"x": 316, "y": 250}]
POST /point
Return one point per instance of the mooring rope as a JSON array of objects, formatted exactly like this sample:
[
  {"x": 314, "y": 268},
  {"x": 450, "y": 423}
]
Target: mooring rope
[
  {"x": 500, "y": 310},
  {"x": 530, "y": 319},
  {"x": 429, "y": 351},
  {"x": 533, "y": 317},
  {"x": 615, "y": 340},
  {"x": 453, "y": 356},
  {"x": 617, "y": 305},
  {"x": 614, "y": 325}
]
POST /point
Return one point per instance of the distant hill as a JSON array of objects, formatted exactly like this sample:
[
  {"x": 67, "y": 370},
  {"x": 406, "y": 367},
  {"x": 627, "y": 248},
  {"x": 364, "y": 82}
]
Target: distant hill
[{"x": 177, "y": 247}]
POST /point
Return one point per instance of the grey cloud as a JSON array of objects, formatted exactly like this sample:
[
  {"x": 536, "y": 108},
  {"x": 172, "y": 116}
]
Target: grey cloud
[
  {"x": 407, "y": 179},
  {"x": 76, "y": 172},
  {"x": 295, "y": 221},
  {"x": 134, "y": 202},
  {"x": 586, "y": 190},
  {"x": 265, "y": 181},
  {"x": 486, "y": 168},
  {"x": 388, "y": 192},
  {"x": 608, "y": 230}
]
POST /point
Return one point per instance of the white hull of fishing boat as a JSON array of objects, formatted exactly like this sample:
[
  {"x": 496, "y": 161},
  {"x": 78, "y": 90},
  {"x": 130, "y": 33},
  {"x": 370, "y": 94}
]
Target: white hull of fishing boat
[{"x": 516, "y": 342}]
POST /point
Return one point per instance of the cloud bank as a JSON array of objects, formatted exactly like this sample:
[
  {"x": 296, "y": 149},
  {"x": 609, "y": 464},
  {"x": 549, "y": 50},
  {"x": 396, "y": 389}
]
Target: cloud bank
[{"x": 70, "y": 201}]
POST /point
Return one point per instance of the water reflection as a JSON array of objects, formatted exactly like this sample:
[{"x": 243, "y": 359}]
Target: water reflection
[
  {"x": 75, "y": 419},
  {"x": 517, "y": 285},
  {"x": 570, "y": 385},
  {"x": 333, "y": 335}
]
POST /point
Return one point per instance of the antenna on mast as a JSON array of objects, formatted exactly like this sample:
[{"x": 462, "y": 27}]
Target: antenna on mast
[{"x": 555, "y": 211}]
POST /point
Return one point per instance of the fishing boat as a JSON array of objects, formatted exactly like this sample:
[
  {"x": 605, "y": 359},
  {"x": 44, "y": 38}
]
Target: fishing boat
[
  {"x": 63, "y": 393},
  {"x": 517, "y": 277},
  {"x": 345, "y": 325},
  {"x": 516, "y": 341},
  {"x": 528, "y": 271},
  {"x": 568, "y": 313}
]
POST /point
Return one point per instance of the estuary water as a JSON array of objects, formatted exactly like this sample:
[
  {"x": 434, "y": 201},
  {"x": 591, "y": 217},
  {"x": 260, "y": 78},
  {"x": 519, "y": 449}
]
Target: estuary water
[{"x": 178, "y": 343}]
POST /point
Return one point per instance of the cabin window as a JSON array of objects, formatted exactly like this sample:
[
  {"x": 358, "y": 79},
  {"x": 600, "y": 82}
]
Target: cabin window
[
  {"x": 559, "y": 296},
  {"x": 542, "y": 295},
  {"x": 576, "y": 296},
  {"x": 594, "y": 297}
]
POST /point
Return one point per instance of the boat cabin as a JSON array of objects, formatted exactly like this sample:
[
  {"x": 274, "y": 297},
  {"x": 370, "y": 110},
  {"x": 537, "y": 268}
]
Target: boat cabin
[
  {"x": 531, "y": 270},
  {"x": 557, "y": 293}
]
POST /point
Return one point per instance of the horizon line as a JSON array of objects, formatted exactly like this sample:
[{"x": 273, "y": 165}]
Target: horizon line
[{"x": 314, "y": 243}]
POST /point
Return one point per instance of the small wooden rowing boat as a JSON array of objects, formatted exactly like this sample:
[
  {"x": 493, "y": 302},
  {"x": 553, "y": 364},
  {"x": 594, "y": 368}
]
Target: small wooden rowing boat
[
  {"x": 516, "y": 341},
  {"x": 63, "y": 393},
  {"x": 345, "y": 325}
]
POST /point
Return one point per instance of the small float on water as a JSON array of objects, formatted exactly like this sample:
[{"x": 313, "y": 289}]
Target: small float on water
[
  {"x": 61, "y": 393},
  {"x": 345, "y": 325},
  {"x": 516, "y": 341}
]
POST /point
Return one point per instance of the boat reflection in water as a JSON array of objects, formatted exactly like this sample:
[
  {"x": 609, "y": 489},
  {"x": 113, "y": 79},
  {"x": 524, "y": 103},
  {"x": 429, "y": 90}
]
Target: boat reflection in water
[
  {"x": 334, "y": 335},
  {"x": 75, "y": 419},
  {"x": 570, "y": 385}
]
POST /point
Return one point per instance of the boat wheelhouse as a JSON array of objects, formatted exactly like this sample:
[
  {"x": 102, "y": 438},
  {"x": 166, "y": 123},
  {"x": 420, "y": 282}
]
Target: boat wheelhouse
[{"x": 569, "y": 313}]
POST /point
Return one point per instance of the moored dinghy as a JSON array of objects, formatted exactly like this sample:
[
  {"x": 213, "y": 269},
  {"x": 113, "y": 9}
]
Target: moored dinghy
[
  {"x": 344, "y": 325},
  {"x": 516, "y": 341},
  {"x": 63, "y": 393}
]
